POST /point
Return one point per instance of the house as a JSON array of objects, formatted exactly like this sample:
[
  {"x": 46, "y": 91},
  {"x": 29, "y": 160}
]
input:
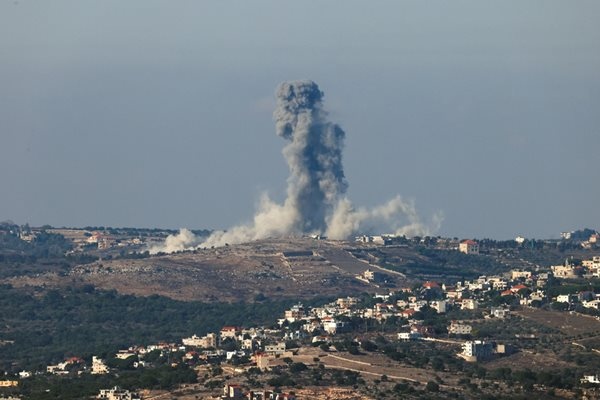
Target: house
[
  {"x": 295, "y": 313},
  {"x": 454, "y": 294},
  {"x": 232, "y": 392},
  {"x": 431, "y": 285},
  {"x": 476, "y": 350},
  {"x": 517, "y": 288},
  {"x": 382, "y": 240},
  {"x": 372, "y": 276},
  {"x": 24, "y": 374},
  {"x": 58, "y": 369},
  {"x": 99, "y": 368},
  {"x": 468, "y": 247},
  {"x": 591, "y": 304},
  {"x": 321, "y": 338},
  {"x": 230, "y": 332},
  {"x": 537, "y": 296},
  {"x": 517, "y": 274},
  {"x": 331, "y": 325},
  {"x": 499, "y": 312},
  {"x": 593, "y": 263},
  {"x": 440, "y": 306},
  {"x": 346, "y": 302},
  {"x": 208, "y": 341},
  {"x": 595, "y": 379},
  {"x": 259, "y": 395},
  {"x": 406, "y": 336},
  {"x": 459, "y": 328},
  {"x": 423, "y": 330},
  {"x": 275, "y": 349},
  {"x": 262, "y": 360},
  {"x": 565, "y": 298},
  {"x": 566, "y": 271},
  {"x": 469, "y": 304},
  {"x": 117, "y": 393},
  {"x": 124, "y": 354}
]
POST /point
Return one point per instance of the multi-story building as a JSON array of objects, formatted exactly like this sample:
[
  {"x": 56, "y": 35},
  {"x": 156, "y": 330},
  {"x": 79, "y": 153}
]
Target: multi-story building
[
  {"x": 469, "y": 247},
  {"x": 99, "y": 368},
  {"x": 295, "y": 313},
  {"x": 208, "y": 341},
  {"x": 566, "y": 271},
  {"x": 476, "y": 350},
  {"x": 458, "y": 328},
  {"x": 117, "y": 393}
]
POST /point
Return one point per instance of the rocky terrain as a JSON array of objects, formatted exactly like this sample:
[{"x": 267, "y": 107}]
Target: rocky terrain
[{"x": 292, "y": 268}]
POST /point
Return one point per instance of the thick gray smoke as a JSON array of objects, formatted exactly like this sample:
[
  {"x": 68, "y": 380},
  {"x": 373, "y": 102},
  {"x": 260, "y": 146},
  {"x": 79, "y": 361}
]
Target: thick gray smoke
[
  {"x": 316, "y": 187},
  {"x": 184, "y": 240},
  {"x": 314, "y": 154}
]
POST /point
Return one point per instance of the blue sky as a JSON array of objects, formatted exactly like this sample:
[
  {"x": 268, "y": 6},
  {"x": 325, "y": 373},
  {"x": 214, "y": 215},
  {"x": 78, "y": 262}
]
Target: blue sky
[{"x": 158, "y": 113}]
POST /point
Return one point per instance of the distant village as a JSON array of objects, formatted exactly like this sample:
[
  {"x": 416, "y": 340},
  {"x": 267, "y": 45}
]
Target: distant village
[{"x": 264, "y": 348}]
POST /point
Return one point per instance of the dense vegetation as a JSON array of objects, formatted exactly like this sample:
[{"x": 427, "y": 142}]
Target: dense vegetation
[
  {"x": 66, "y": 388},
  {"x": 448, "y": 264},
  {"x": 47, "y": 327},
  {"x": 48, "y": 252}
]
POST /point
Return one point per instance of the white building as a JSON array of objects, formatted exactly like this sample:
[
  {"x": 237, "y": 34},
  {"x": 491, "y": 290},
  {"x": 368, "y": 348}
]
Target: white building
[
  {"x": 124, "y": 354},
  {"x": 117, "y": 393},
  {"x": 439, "y": 305},
  {"x": 275, "y": 349},
  {"x": 24, "y": 374},
  {"x": 590, "y": 379},
  {"x": 458, "y": 328},
  {"x": 516, "y": 274},
  {"x": 591, "y": 304},
  {"x": 565, "y": 298},
  {"x": 469, "y": 304},
  {"x": 406, "y": 336},
  {"x": 594, "y": 262},
  {"x": 332, "y": 326},
  {"x": 469, "y": 247},
  {"x": 208, "y": 341},
  {"x": 295, "y": 313},
  {"x": 476, "y": 350},
  {"x": 499, "y": 312},
  {"x": 100, "y": 368},
  {"x": 566, "y": 271},
  {"x": 346, "y": 302}
]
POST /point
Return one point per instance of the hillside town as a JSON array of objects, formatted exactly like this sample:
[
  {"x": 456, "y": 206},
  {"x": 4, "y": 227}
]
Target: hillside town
[
  {"x": 242, "y": 348},
  {"x": 466, "y": 325}
]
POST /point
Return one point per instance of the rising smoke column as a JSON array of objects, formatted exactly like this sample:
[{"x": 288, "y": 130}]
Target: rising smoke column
[
  {"x": 314, "y": 154},
  {"x": 316, "y": 186}
]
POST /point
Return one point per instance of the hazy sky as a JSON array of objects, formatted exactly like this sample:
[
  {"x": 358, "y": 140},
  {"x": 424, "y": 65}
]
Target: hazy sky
[{"x": 159, "y": 113}]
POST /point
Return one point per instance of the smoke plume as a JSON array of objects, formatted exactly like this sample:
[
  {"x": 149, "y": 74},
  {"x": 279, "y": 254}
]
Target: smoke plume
[
  {"x": 316, "y": 187},
  {"x": 184, "y": 240}
]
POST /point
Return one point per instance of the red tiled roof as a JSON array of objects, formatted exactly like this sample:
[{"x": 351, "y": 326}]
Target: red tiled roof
[
  {"x": 517, "y": 288},
  {"x": 230, "y": 328}
]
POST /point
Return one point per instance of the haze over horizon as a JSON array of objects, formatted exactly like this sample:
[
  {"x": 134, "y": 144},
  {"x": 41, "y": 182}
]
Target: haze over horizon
[{"x": 155, "y": 114}]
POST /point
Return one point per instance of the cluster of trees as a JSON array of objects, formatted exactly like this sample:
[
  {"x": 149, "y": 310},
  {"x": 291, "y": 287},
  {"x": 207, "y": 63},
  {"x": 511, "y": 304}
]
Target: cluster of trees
[
  {"x": 47, "y": 252},
  {"x": 84, "y": 386},
  {"x": 48, "y": 326},
  {"x": 450, "y": 264}
]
